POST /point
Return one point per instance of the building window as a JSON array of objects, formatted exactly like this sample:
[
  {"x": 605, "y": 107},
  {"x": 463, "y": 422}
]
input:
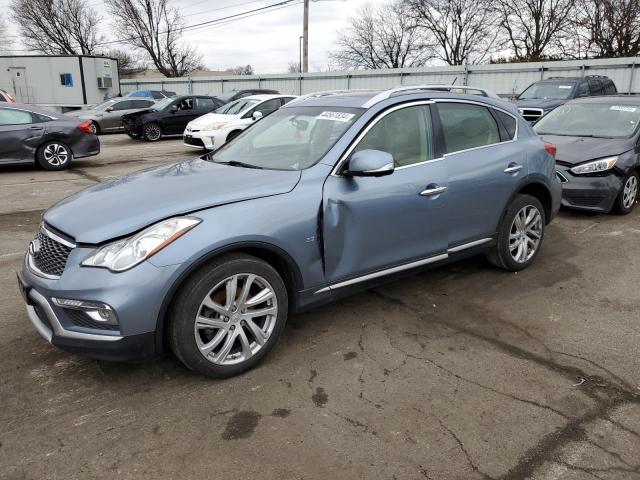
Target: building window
[{"x": 66, "y": 80}]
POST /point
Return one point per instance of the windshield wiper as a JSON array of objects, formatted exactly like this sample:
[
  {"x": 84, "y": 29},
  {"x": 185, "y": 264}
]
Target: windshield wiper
[{"x": 235, "y": 163}]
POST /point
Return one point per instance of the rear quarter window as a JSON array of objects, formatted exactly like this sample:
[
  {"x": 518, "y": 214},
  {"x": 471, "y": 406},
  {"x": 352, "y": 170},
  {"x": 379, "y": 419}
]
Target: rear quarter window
[{"x": 508, "y": 122}]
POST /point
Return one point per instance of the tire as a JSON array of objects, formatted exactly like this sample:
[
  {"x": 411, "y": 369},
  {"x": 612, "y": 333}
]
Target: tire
[
  {"x": 208, "y": 335},
  {"x": 233, "y": 135},
  {"x": 95, "y": 128},
  {"x": 628, "y": 196},
  {"x": 54, "y": 156},
  {"x": 133, "y": 135},
  {"x": 152, "y": 132},
  {"x": 513, "y": 247}
]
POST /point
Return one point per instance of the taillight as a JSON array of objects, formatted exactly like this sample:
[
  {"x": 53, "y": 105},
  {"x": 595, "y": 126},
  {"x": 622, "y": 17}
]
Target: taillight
[
  {"x": 86, "y": 127},
  {"x": 551, "y": 149}
]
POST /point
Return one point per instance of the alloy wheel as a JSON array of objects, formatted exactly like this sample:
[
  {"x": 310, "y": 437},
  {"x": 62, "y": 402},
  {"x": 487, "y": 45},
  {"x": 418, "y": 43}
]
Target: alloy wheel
[
  {"x": 152, "y": 132},
  {"x": 56, "y": 154},
  {"x": 630, "y": 191},
  {"x": 525, "y": 234},
  {"x": 93, "y": 128},
  {"x": 235, "y": 319}
]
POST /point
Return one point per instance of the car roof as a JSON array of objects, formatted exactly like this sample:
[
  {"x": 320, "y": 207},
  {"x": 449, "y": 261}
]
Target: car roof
[
  {"x": 264, "y": 96},
  {"x": 369, "y": 98},
  {"x": 31, "y": 108},
  {"x": 609, "y": 99}
]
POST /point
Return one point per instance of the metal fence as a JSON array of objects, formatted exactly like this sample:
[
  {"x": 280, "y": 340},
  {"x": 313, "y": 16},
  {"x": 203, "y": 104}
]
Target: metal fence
[{"x": 504, "y": 79}]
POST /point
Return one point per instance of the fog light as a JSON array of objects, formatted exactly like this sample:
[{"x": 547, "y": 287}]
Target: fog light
[{"x": 97, "y": 311}]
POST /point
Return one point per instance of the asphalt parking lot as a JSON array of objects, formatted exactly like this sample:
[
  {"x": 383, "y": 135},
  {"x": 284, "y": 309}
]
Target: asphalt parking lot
[{"x": 464, "y": 372}]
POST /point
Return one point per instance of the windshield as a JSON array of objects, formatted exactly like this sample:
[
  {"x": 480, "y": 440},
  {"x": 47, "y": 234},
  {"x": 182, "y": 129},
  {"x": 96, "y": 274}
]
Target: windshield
[
  {"x": 236, "y": 107},
  {"x": 590, "y": 120},
  {"x": 292, "y": 138},
  {"x": 104, "y": 105},
  {"x": 225, "y": 97},
  {"x": 548, "y": 91},
  {"x": 162, "y": 104}
]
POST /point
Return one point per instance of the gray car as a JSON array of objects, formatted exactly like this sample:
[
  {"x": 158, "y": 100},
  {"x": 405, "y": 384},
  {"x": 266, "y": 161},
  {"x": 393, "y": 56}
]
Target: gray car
[
  {"x": 330, "y": 194},
  {"x": 107, "y": 116}
]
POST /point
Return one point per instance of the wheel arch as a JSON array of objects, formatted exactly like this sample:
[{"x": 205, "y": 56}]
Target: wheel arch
[
  {"x": 540, "y": 191},
  {"x": 280, "y": 260}
]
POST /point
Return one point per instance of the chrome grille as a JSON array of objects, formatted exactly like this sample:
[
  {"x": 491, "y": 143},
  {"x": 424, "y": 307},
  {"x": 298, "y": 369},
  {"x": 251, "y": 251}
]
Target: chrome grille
[{"x": 48, "y": 255}]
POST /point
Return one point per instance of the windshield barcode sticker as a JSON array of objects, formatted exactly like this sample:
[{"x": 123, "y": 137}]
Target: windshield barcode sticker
[
  {"x": 336, "y": 116},
  {"x": 623, "y": 109},
  {"x": 565, "y": 86}
]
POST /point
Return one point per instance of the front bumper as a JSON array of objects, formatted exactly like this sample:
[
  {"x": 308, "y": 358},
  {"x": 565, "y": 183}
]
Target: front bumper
[
  {"x": 136, "y": 297},
  {"x": 594, "y": 193},
  {"x": 207, "y": 139}
]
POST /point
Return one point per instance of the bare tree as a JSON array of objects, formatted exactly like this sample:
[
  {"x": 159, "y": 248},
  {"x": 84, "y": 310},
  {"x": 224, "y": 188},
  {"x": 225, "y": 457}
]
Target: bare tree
[
  {"x": 7, "y": 43},
  {"x": 464, "y": 30},
  {"x": 128, "y": 63},
  {"x": 154, "y": 27},
  {"x": 608, "y": 28},
  {"x": 240, "y": 70},
  {"x": 534, "y": 28},
  {"x": 294, "y": 67},
  {"x": 381, "y": 36},
  {"x": 57, "y": 27}
]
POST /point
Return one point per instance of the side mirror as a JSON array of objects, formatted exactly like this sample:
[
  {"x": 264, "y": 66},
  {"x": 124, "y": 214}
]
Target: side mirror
[
  {"x": 110, "y": 109},
  {"x": 257, "y": 115},
  {"x": 370, "y": 163},
  {"x": 174, "y": 108}
]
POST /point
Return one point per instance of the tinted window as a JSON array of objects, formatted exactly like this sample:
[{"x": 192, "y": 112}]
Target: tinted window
[
  {"x": 126, "y": 105},
  {"x": 286, "y": 100},
  {"x": 14, "y": 117},
  {"x": 595, "y": 86},
  {"x": 156, "y": 95},
  {"x": 583, "y": 90},
  {"x": 205, "y": 103},
  {"x": 141, "y": 103},
  {"x": 268, "y": 107},
  {"x": 610, "y": 88},
  {"x": 467, "y": 126},
  {"x": 406, "y": 134},
  {"x": 508, "y": 122}
]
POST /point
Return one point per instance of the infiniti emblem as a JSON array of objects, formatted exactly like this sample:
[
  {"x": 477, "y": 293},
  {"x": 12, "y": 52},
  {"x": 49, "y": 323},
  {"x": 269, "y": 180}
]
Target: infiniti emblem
[{"x": 34, "y": 247}]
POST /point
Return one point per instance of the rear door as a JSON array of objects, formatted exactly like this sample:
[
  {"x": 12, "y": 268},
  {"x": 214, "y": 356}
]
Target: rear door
[
  {"x": 372, "y": 224},
  {"x": 484, "y": 165},
  {"x": 20, "y": 135}
]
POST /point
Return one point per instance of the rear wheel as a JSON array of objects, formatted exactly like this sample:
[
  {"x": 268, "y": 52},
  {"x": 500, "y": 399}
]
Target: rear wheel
[
  {"x": 228, "y": 315},
  {"x": 152, "y": 132},
  {"x": 94, "y": 127},
  {"x": 520, "y": 234},
  {"x": 628, "y": 195},
  {"x": 54, "y": 156}
]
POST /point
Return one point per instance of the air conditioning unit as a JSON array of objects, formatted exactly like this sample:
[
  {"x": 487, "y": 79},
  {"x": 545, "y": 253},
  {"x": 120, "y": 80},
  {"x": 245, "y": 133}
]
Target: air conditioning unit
[{"x": 105, "y": 82}]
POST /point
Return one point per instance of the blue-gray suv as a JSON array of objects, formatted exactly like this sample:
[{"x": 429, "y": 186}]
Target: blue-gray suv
[{"x": 333, "y": 192}]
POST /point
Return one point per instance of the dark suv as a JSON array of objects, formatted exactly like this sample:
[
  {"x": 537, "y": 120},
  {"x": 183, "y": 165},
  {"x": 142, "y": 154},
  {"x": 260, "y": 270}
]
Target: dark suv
[
  {"x": 541, "y": 97},
  {"x": 233, "y": 95}
]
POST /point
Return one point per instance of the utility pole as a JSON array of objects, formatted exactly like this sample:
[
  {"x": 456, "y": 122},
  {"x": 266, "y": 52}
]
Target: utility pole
[{"x": 305, "y": 41}]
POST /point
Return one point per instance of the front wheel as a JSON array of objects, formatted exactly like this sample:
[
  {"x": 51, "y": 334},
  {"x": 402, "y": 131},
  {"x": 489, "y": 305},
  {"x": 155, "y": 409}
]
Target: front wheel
[
  {"x": 520, "y": 234},
  {"x": 626, "y": 200},
  {"x": 152, "y": 132},
  {"x": 54, "y": 156},
  {"x": 228, "y": 315}
]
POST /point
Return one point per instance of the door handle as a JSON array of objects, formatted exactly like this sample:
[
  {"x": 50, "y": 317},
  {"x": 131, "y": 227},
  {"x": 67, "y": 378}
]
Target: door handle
[
  {"x": 513, "y": 168},
  {"x": 433, "y": 190}
]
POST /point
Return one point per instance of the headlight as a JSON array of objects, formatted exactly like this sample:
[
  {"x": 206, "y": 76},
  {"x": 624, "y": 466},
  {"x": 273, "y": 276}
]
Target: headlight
[
  {"x": 125, "y": 254},
  {"x": 601, "y": 165},
  {"x": 216, "y": 126}
]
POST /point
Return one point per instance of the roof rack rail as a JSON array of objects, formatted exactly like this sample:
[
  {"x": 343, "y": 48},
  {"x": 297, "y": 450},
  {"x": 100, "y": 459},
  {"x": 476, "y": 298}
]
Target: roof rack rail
[
  {"x": 324, "y": 93},
  {"x": 442, "y": 88}
]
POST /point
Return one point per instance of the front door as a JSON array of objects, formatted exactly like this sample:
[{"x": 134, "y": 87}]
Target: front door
[
  {"x": 177, "y": 119},
  {"x": 376, "y": 223}
]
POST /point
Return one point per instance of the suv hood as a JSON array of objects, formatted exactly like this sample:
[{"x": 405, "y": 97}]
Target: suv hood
[
  {"x": 123, "y": 205},
  {"x": 539, "y": 103},
  {"x": 575, "y": 150}
]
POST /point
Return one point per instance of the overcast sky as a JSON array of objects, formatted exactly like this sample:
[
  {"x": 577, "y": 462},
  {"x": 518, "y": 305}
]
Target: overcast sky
[{"x": 268, "y": 41}]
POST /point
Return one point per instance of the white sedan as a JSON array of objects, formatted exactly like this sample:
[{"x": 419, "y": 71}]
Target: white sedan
[{"x": 214, "y": 129}]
